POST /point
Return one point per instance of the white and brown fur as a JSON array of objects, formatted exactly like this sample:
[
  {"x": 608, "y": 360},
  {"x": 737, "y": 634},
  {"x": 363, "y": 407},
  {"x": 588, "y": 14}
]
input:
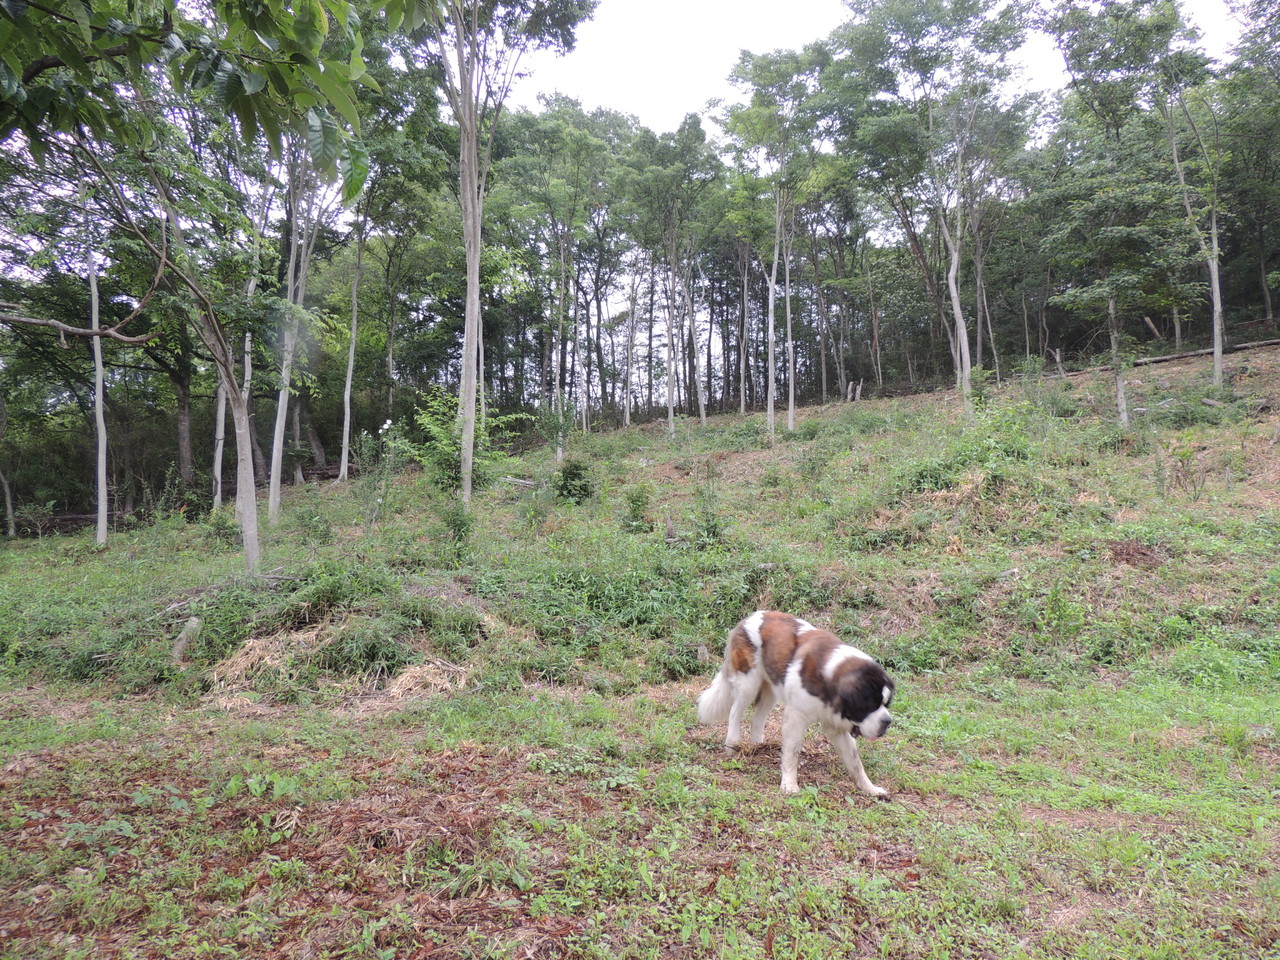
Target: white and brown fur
[{"x": 773, "y": 658}]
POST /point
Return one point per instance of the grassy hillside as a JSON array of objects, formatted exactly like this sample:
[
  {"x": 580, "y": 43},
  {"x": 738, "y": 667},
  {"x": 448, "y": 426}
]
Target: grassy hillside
[{"x": 423, "y": 735}]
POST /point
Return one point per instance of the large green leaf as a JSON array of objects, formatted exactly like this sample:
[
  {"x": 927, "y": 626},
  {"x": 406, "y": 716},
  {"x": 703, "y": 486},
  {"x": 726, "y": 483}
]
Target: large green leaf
[
  {"x": 323, "y": 140},
  {"x": 227, "y": 84},
  {"x": 354, "y": 166},
  {"x": 335, "y": 90}
]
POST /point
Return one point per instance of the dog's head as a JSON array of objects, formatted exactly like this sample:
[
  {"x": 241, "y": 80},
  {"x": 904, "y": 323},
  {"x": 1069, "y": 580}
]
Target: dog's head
[{"x": 865, "y": 695}]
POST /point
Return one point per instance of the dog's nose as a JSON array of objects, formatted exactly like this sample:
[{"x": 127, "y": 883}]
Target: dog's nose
[{"x": 885, "y": 725}]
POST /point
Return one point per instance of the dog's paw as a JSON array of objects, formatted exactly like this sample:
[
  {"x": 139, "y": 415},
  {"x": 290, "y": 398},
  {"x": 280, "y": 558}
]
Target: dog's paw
[
  {"x": 790, "y": 787},
  {"x": 872, "y": 790}
]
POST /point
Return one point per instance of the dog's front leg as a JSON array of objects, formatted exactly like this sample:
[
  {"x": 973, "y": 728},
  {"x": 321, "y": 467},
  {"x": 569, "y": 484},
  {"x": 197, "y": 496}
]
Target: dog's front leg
[
  {"x": 793, "y": 727},
  {"x": 847, "y": 747}
]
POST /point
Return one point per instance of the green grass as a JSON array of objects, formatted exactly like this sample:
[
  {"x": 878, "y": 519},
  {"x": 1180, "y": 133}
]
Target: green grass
[{"x": 478, "y": 739}]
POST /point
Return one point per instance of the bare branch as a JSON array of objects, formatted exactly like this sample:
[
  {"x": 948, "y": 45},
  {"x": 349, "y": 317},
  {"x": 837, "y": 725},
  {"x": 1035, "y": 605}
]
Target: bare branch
[{"x": 10, "y": 313}]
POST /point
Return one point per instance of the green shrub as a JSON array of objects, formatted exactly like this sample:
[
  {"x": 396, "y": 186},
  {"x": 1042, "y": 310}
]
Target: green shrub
[
  {"x": 457, "y": 522},
  {"x": 635, "y": 500},
  {"x": 573, "y": 482},
  {"x": 440, "y": 451},
  {"x": 676, "y": 661}
]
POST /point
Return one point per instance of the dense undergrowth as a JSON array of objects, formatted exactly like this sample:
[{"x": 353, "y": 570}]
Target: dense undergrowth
[{"x": 422, "y": 733}]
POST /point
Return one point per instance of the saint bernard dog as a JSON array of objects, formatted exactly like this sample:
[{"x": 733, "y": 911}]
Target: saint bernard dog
[{"x": 771, "y": 657}]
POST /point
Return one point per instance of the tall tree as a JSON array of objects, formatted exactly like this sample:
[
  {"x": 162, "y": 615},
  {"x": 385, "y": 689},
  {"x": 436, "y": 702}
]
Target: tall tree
[
  {"x": 779, "y": 126},
  {"x": 478, "y": 45}
]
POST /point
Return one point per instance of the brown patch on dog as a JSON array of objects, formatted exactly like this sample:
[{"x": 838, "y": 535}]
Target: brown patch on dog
[
  {"x": 847, "y": 671},
  {"x": 741, "y": 650},
  {"x": 817, "y": 650},
  {"x": 777, "y": 643}
]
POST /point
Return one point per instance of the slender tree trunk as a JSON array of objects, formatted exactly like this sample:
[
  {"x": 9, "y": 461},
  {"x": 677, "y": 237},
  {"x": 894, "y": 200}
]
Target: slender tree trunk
[
  {"x": 823, "y": 325},
  {"x": 791, "y": 342},
  {"x": 742, "y": 337},
  {"x": 1215, "y": 289},
  {"x": 391, "y": 357},
  {"x": 246, "y": 490},
  {"x": 10, "y": 521},
  {"x": 296, "y": 416},
  {"x": 991, "y": 333},
  {"x": 282, "y": 414},
  {"x": 1026, "y": 326},
  {"x": 653, "y": 291},
  {"x": 219, "y": 442},
  {"x": 345, "y": 456},
  {"x": 960, "y": 338},
  {"x": 1262, "y": 275},
  {"x": 671, "y": 360},
  {"x": 1113, "y": 324},
  {"x": 1208, "y": 249},
  {"x": 771, "y": 387},
  {"x": 686, "y": 287},
  {"x": 561, "y": 346},
  {"x": 472, "y": 202},
  {"x": 631, "y": 349},
  {"x": 99, "y": 408},
  {"x": 302, "y": 239}
]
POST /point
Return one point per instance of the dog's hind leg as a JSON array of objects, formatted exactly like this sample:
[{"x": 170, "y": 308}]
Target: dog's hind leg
[
  {"x": 847, "y": 747},
  {"x": 765, "y": 700},
  {"x": 744, "y": 687}
]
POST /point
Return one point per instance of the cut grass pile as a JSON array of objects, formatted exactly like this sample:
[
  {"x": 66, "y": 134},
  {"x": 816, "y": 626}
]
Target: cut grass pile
[{"x": 416, "y": 737}]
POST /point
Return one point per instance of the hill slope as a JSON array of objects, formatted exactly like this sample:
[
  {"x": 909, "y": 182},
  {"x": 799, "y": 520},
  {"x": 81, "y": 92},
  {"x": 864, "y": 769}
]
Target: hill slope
[{"x": 420, "y": 736}]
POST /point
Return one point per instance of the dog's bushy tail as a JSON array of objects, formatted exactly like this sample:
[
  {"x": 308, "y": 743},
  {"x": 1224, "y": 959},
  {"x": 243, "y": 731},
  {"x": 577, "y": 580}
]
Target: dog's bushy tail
[{"x": 714, "y": 702}]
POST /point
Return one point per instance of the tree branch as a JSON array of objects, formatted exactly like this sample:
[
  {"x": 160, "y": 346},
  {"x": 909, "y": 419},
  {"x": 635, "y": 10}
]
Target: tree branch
[{"x": 10, "y": 314}]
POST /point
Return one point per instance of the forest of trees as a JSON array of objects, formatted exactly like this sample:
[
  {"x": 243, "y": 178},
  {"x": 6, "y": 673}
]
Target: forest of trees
[{"x": 286, "y": 236}]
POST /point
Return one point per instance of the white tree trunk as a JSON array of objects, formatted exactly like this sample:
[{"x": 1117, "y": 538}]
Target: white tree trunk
[
  {"x": 219, "y": 442},
  {"x": 1122, "y": 399},
  {"x": 306, "y": 227},
  {"x": 791, "y": 343},
  {"x": 351, "y": 359},
  {"x": 10, "y": 521},
  {"x": 282, "y": 415},
  {"x": 1208, "y": 249},
  {"x": 772, "y": 387},
  {"x": 671, "y": 363},
  {"x": 99, "y": 408},
  {"x": 631, "y": 349},
  {"x": 960, "y": 340}
]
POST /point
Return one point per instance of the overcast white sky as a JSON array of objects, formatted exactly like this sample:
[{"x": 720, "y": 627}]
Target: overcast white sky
[{"x": 662, "y": 59}]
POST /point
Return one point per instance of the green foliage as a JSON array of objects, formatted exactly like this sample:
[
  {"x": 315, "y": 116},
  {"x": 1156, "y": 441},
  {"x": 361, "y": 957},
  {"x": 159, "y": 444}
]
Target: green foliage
[
  {"x": 573, "y": 481},
  {"x": 271, "y": 68},
  {"x": 636, "y": 499},
  {"x": 457, "y": 522},
  {"x": 993, "y": 446},
  {"x": 440, "y": 451},
  {"x": 368, "y": 648},
  {"x": 376, "y": 460},
  {"x": 35, "y": 518}
]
